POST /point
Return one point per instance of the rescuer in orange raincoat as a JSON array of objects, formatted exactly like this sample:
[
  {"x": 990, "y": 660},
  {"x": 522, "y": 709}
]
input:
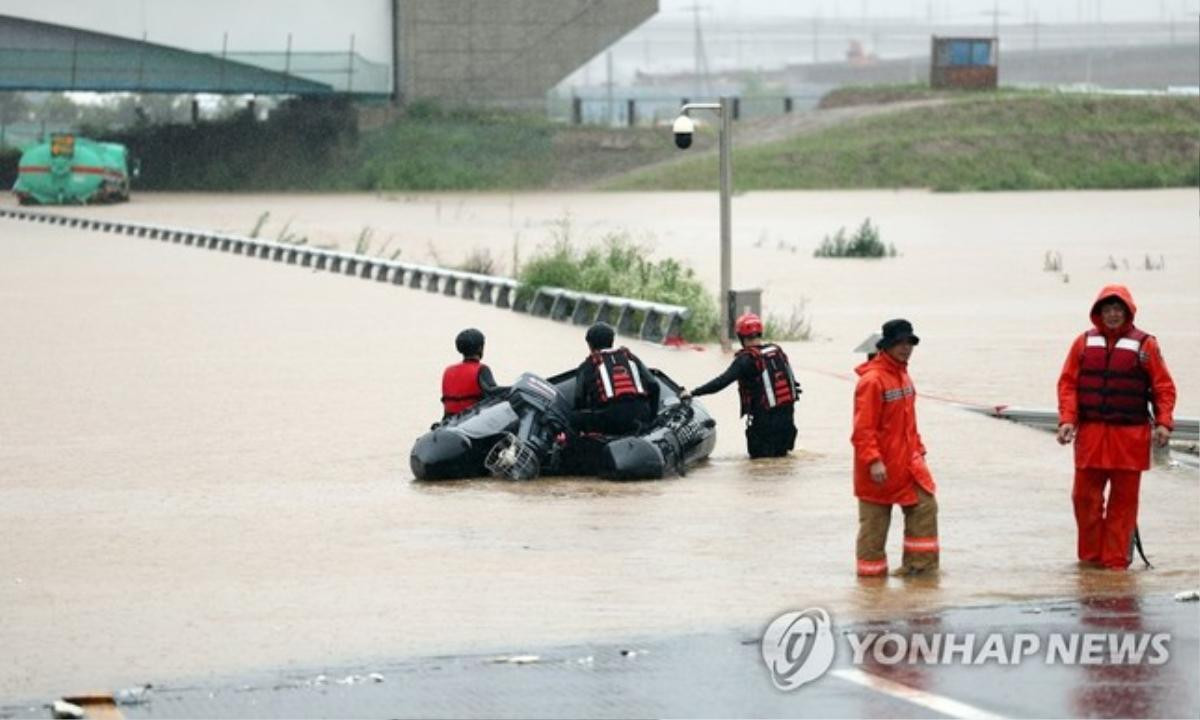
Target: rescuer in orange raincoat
[
  {"x": 1114, "y": 394},
  {"x": 889, "y": 459}
]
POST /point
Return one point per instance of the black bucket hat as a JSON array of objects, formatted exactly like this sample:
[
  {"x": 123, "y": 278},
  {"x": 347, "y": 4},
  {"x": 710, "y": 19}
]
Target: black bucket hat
[{"x": 894, "y": 331}]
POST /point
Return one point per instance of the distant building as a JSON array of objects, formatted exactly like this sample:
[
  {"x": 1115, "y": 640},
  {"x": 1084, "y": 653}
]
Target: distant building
[{"x": 964, "y": 62}]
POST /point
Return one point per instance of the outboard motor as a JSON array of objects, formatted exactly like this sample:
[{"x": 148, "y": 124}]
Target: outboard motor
[{"x": 543, "y": 414}]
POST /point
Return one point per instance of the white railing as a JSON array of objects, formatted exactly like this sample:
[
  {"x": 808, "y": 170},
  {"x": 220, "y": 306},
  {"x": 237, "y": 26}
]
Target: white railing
[{"x": 656, "y": 322}]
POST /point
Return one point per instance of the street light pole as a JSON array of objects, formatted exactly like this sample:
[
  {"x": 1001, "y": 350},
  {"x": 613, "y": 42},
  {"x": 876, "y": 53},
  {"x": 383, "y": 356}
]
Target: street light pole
[
  {"x": 726, "y": 140},
  {"x": 724, "y": 110}
]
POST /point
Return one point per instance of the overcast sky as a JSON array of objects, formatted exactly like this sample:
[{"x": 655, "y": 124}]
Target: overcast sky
[
  {"x": 252, "y": 25},
  {"x": 264, "y": 25}
]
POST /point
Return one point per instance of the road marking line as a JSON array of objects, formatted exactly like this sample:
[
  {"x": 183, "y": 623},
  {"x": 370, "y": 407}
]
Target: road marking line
[{"x": 940, "y": 704}]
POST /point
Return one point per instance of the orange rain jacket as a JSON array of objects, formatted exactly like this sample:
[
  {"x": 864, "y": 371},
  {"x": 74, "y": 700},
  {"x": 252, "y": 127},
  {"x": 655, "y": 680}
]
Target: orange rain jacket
[
  {"x": 1107, "y": 445},
  {"x": 885, "y": 428}
]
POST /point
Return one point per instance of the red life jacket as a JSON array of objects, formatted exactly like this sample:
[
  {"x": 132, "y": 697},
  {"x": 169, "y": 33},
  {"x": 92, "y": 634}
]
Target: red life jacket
[
  {"x": 1113, "y": 386},
  {"x": 617, "y": 375},
  {"x": 773, "y": 384},
  {"x": 460, "y": 386}
]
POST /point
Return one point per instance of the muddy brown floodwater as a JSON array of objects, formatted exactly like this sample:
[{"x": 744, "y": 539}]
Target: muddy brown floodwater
[{"x": 204, "y": 459}]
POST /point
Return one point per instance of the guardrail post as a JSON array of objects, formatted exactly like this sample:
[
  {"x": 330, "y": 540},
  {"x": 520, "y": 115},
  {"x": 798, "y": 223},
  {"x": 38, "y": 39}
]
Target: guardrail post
[
  {"x": 540, "y": 303},
  {"x": 582, "y": 316},
  {"x": 563, "y": 306},
  {"x": 674, "y": 327},
  {"x": 650, "y": 330},
  {"x": 625, "y": 320}
]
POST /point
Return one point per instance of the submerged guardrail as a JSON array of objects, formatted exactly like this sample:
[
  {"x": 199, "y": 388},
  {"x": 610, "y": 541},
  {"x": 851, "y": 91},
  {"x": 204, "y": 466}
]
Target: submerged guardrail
[
  {"x": 1187, "y": 429},
  {"x": 1185, "y": 437},
  {"x": 655, "y": 322}
]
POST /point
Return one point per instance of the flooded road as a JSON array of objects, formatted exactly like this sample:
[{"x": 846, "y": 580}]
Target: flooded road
[{"x": 204, "y": 457}]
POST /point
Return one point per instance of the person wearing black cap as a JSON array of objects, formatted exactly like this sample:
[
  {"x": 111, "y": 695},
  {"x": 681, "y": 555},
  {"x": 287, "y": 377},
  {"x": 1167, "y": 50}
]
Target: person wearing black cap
[
  {"x": 889, "y": 459},
  {"x": 614, "y": 392},
  {"x": 767, "y": 389},
  {"x": 465, "y": 383}
]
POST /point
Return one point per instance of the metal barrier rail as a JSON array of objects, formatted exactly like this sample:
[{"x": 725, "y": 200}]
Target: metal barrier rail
[
  {"x": 656, "y": 322},
  {"x": 1186, "y": 429}
]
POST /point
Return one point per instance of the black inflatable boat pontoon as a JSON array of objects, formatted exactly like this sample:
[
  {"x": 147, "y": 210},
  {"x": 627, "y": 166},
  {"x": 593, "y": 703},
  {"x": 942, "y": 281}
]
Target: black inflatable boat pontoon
[{"x": 524, "y": 431}]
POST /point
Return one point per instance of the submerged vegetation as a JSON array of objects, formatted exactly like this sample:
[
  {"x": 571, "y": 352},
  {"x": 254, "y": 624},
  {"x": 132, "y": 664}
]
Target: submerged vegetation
[
  {"x": 797, "y": 325},
  {"x": 864, "y": 243},
  {"x": 618, "y": 266}
]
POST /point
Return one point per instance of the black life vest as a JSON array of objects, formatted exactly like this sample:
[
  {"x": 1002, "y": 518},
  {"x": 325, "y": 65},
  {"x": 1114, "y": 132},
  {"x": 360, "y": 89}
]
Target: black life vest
[
  {"x": 617, "y": 375},
  {"x": 460, "y": 386},
  {"x": 1113, "y": 386},
  {"x": 773, "y": 384}
]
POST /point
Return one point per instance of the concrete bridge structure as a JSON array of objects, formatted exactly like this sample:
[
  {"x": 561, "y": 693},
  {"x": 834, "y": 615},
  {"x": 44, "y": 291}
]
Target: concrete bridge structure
[{"x": 451, "y": 51}]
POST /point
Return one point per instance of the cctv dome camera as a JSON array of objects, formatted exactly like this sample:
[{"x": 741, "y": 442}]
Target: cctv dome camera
[{"x": 683, "y": 128}]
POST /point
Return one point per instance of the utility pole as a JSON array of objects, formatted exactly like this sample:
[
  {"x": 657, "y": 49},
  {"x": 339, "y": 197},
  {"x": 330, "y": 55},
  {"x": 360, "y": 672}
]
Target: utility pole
[
  {"x": 608, "y": 84},
  {"x": 816, "y": 38},
  {"x": 724, "y": 110},
  {"x": 700, "y": 56},
  {"x": 995, "y": 13}
]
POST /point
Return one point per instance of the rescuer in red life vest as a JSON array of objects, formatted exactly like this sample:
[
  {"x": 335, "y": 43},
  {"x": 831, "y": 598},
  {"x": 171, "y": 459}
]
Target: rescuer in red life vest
[
  {"x": 767, "y": 387},
  {"x": 614, "y": 392},
  {"x": 465, "y": 383},
  {"x": 1114, "y": 394}
]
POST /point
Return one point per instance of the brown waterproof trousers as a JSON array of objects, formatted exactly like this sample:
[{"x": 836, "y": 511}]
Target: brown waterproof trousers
[{"x": 920, "y": 536}]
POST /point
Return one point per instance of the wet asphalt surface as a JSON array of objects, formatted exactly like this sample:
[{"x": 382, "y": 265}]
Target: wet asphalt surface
[{"x": 722, "y": 674}]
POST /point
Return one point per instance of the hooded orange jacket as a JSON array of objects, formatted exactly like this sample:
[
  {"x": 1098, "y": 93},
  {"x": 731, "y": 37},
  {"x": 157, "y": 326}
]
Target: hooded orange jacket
[
  {"x": 1107, "y": 445},
  {"x": 885, "y": 428}
]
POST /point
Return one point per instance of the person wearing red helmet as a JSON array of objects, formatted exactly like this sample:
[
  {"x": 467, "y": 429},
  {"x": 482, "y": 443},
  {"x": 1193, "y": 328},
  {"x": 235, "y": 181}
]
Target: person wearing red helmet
[
  {"x": 464, "y": 384},
  {"x": 1115, "y": 395},
  {"x": 767, "y": 389}
]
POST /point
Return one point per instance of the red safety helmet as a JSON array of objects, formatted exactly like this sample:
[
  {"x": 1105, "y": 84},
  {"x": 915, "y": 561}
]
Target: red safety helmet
[{"x": 748, "y": 325}]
